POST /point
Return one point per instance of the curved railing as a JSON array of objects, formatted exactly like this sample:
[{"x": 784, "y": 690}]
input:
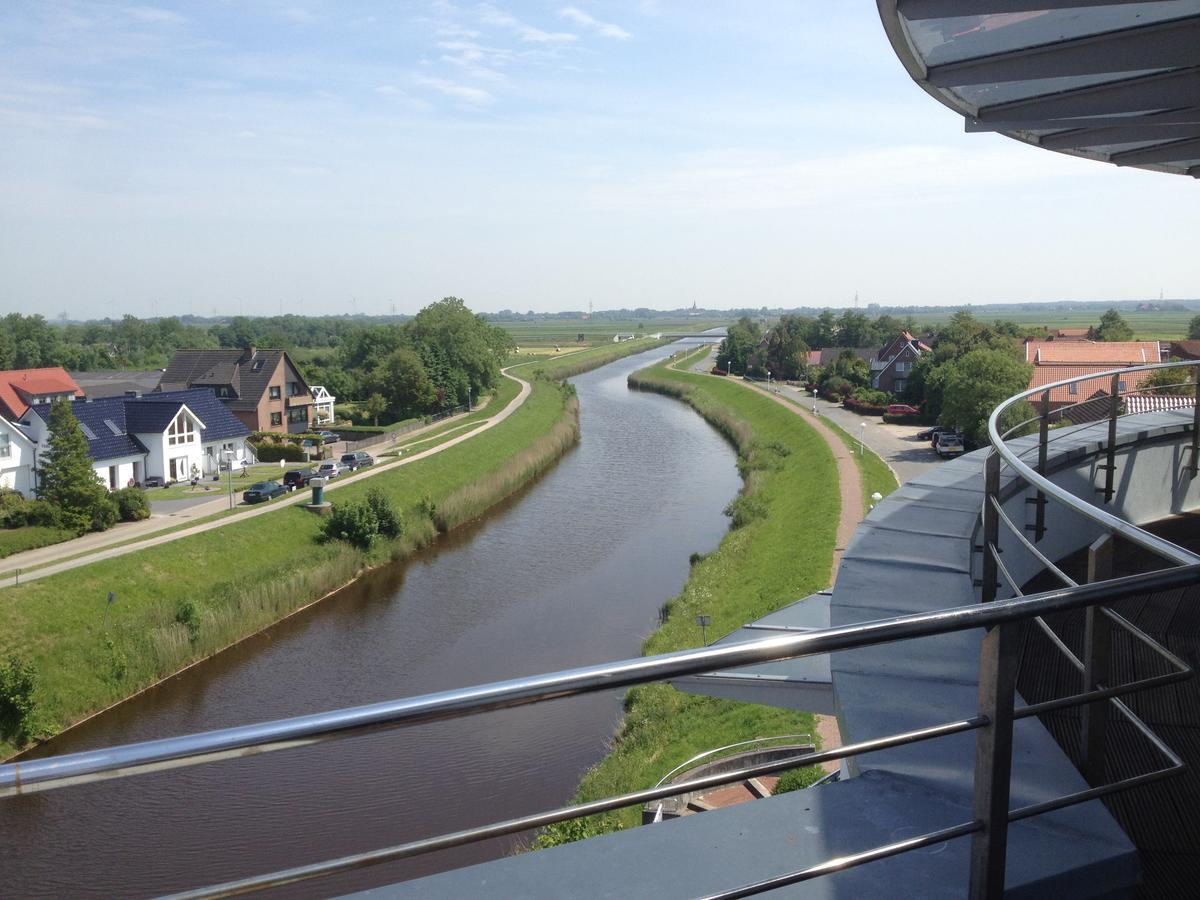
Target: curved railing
[
  {"x": 1047, "y": 490},
  {"x": 689, "y": 763}
]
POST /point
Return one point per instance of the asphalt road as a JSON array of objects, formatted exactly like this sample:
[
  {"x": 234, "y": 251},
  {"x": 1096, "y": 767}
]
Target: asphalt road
[{"x": 895, "y": 444}]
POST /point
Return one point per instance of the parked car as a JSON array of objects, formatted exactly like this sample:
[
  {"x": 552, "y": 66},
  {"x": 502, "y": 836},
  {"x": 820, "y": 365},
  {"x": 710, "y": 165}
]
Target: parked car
[
  {"x": 153, "y": 481},
  {"x": 298, "y": 478},
  {"x": 717, "y": 370},
  {"x": 263, "y": 490},
  {"x": 357, "y": 460},
  {"x": 930, "y": 434},
  {"x": 902, "y": 409},
  {"x": 949, "y": 444},
  {"x": 329, "y": 437},
  {"x": 331, "y": 468}
]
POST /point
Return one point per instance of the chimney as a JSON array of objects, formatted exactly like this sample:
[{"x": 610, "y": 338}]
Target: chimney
[{"x": 248, "y": 354}]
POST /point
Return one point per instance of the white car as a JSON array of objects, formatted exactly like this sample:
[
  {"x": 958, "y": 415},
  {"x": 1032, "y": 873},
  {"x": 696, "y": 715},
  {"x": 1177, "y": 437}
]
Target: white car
[{"x": 331, "y": 468}]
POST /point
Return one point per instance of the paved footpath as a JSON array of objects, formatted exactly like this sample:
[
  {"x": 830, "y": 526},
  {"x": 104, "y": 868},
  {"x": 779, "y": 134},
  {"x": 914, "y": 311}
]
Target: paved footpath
[{"x": 101, "y": 543}]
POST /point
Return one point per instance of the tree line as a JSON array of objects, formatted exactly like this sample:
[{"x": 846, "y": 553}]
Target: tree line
[{"x": 971, "y": 368}]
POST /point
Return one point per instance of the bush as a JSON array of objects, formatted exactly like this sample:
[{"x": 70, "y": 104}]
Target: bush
[
  {"x": 132, "y": 504},
  {"x": 354, "y": 523},
  {"x": 796, "y": 779},
  {"x": 17, "y": 512},
  {"x": 18, "y": 682},
  {"x": 863, "y": 409},
  {"x": 744, "y": 509},
  {"x": 277, "y": 452},
  {"x": 836, "y": 388},
  {"x": 103, "y": 514},
  {"x": 390, "y": 522},
  {"x": 188, "y": 615}
]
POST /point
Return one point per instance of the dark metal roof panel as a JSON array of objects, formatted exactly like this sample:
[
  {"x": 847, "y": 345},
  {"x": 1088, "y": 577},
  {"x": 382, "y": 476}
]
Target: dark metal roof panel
[{"x": 1029, "y": 68}]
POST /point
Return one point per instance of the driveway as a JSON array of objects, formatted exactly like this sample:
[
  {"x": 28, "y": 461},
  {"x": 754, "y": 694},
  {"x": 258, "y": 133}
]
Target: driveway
[{"x": 897, "y": 445}]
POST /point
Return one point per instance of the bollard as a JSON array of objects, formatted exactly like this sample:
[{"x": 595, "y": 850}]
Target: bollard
[{"x": 319, "y": 504}]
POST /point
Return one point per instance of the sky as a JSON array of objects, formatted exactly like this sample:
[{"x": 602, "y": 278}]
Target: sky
[{"x": 258, "y": 157}]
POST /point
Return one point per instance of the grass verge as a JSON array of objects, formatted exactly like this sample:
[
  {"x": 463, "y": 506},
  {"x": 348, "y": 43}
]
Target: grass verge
[
  {"x": 179, "y": 602},
  {"x": 16, "y": 540},
  {"x": 779, "y": 549},
  {"x": 877, "y": 477}
]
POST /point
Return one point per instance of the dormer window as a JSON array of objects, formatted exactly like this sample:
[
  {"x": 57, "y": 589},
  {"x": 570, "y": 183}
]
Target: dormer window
[{"x": 182, "y": 431}]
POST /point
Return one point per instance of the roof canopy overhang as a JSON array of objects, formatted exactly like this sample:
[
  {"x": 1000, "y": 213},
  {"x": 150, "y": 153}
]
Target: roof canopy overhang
[{"x": 1114, "y": 80}]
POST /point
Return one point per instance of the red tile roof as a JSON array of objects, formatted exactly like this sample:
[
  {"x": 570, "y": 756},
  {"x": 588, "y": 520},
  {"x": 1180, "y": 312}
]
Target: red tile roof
[
  {"x": 18, "y": 384},
  {"x": 1048, "y": 374},
  {"x": 1115, "y": 353}
]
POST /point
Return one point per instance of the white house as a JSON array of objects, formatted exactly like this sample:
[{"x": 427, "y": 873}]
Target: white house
[
  {"x": 174, "y": 435},
  {"x": 16, "y": 458},
  {"x": 322, "y": 405}
]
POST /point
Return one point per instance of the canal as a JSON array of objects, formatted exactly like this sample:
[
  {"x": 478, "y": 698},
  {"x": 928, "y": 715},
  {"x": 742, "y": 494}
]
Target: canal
[{"x": 570, "y": 572}]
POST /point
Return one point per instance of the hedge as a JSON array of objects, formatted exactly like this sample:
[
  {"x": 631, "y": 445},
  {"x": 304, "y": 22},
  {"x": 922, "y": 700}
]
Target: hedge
[
  {"x": 864, "y": 409},
  {"x": 906, "y": 419}
]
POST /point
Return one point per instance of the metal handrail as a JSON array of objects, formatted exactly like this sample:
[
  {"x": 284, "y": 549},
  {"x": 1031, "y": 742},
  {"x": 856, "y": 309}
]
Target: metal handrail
[
  {"x": 1047, "y": 487},
  {"x": 18, "y": 778},
  {"x": 707, "y": 753},
  {"x": 115, "y": 762}
]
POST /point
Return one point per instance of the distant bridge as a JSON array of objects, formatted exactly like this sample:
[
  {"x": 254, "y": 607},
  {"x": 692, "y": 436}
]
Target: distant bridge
[{"x": 706, "y": 337}]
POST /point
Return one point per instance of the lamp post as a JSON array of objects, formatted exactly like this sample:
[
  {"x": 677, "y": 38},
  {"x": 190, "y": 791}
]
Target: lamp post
[
  {"x": 228, "y": 454},
  {"x": 768, "y": 379},
  {"x": 862, "y": 430}
]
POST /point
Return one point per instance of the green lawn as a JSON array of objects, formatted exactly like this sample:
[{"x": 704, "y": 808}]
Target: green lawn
[
  {"x": 775, "y": 559},
  {"x": 242, "y": 577},
  {"x": 15, "y": 540},
  {"x": 876, "y": 476},
  {"x": 209, "y": 489}
]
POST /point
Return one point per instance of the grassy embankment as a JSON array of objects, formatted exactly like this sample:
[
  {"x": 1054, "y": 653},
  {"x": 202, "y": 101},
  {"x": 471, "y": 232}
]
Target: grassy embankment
[
  {"x": 876, "y": 475},
  {"x": 779, "y": 549},
  {"x": 185, "y": 600},
  {"x": 235, "y": 580},
  {"x": 30, "y": 537}
]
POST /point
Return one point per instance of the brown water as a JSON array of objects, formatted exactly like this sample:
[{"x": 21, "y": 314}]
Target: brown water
[{"x": 571, "y": 572}]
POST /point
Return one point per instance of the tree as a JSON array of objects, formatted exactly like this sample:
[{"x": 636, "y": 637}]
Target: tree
[
  {"x": 1111, "y": 328},
  {"x": 1171, "y": 381},
  {"x": 67, "y": 478},
  {"x": 786, "y": 355},
  {"x": 741, "y": 339},
  {"x": 1194, "y": 329},
  {"x": 978, "y": 383},
  {"x": 375, "y": 406},
  {"x": 402, "y": 381}
]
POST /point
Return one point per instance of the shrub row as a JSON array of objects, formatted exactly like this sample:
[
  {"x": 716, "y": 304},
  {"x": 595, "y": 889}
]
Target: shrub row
[{"x": 126, "y": 505}]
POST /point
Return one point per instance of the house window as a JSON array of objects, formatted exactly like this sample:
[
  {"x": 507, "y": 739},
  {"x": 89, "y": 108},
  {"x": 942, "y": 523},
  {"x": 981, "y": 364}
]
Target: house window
[
  {"x": 181, "y": 431},
  {"x": 1073, "y": 389},
  {"x": 274, "y": 392},
  {"x": 276, "y": 418},
  {"x": 5, "y": 446},
  {"x": 298, "y": 414},
  {"x": 293, "y": 389},
  {"x": 257, "y": 367},
  {"x": 1120, "y": 386},
  {"x": 903, "y": 366},
  {"x": 900, "y": 383}
]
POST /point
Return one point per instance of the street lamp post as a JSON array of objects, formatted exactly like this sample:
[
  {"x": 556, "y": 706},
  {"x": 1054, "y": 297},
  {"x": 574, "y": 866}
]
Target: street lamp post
[
  {"x": 862, "y": 430},
  {"x": 228, "y": 454}
]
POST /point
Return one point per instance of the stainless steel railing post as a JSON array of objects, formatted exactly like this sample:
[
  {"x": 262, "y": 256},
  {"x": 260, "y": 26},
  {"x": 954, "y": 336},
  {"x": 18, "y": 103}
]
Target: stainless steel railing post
[
  {"x": 1110, "y": 452},
  {"x": 1097, "y": 645},
  {"x": 993, "y": 760},
  {"x": 1039, "y": 524},
  {"x": 991, "y": 525},
  {"x": 1195, "y": 461}
]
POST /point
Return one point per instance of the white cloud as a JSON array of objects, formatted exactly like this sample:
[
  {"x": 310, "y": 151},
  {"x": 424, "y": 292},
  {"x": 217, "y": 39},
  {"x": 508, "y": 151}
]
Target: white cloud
[
  {"x": 604, "y": 29},
  {"x": 472, "y": 96},
  {"x": 491, "y": 15},
  {"x": 154, "y": 16},
  {"x": 751, "y": 181},
  {"x": 299, "y": 15}
]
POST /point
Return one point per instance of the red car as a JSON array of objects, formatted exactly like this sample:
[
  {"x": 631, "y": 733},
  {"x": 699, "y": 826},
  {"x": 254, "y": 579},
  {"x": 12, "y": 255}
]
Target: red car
[
  {"x": 902, "y": 409},
  {"x": 717, "y": 370}
]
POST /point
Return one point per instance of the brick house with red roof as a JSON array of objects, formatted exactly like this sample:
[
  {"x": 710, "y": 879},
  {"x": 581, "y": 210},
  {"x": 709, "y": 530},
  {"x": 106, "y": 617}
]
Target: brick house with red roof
[
  {"x": 21, "y": 388},
  {"x": 1054, "y": 360},
  {"x": 890, "y": 368}
]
